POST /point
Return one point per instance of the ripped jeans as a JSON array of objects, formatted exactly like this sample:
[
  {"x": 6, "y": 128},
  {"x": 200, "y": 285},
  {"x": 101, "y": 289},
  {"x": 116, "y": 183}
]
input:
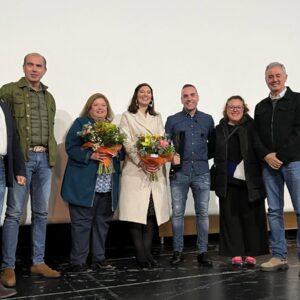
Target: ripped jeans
[{"x": 200, "y": 186}]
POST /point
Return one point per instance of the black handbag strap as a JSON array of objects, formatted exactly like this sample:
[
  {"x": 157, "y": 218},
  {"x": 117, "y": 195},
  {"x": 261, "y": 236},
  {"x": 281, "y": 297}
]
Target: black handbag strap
[{"x": 231, "y": 133}]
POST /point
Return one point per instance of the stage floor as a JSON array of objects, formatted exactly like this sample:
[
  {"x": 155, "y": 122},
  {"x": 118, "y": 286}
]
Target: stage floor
[{"x": 188, "y": 281}]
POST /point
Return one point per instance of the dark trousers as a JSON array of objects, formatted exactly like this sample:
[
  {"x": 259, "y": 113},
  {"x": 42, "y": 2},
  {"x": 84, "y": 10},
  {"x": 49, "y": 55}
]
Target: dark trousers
[
  {"x": 243, "y": 227},
  {"x": 89, "y": 227}
]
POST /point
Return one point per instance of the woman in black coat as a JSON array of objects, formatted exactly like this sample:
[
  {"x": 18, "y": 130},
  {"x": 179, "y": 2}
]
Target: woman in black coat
[{"x": 239, "y": 186}]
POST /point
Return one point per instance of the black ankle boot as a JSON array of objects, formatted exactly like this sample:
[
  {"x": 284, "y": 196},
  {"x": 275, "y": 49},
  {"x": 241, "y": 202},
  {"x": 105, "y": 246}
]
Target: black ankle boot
[
  {"x": 177, "y": 258},
  {"x": 204, "y": 259}
]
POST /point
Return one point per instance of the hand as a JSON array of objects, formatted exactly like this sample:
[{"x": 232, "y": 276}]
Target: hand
[
  {"x": 100, "y": 156},
  {"x": 148, "y": 168},
  {"x": 273, "y": 161},
  {"x": 176, "y": 159},
  {"x": 103, "y": 156},
  {"x": 21, "y": 180},
  {"x": 95, "y": 156},
  {"x": 152, "y": 168}
]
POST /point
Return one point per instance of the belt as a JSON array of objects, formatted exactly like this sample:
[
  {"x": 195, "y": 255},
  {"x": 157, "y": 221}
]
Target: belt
[{"x": 38, "y": 149}]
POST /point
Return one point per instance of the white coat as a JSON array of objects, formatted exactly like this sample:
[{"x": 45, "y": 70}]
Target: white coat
[{"x": 136, "y": 186}]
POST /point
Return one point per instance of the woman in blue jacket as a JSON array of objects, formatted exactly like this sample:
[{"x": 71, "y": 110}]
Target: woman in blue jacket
[{"x": 91, "y": 197}]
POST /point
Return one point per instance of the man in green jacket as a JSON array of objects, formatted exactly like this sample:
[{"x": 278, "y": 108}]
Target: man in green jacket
[{"x": 33, "y": 109}]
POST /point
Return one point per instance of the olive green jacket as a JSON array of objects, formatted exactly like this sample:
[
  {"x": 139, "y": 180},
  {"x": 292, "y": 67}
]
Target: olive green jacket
[{"x": 17, "y": 94}]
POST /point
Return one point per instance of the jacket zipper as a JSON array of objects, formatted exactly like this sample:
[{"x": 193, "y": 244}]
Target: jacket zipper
[{"x": 272, "y": 127}]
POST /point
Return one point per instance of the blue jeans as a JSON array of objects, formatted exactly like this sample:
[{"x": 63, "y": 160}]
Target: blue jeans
[
  {"x": 274, "y": 182},
  {"x": 38, "y": 176},
  {"x": 2, "y": 184},
  {"x": 200, "y": 185}
]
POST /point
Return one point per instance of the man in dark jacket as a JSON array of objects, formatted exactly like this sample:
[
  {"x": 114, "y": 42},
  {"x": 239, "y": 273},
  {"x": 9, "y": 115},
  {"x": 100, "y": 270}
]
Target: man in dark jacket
[
  {"x": 11, "y": 163},
  {"x": 277, "y": 120}
]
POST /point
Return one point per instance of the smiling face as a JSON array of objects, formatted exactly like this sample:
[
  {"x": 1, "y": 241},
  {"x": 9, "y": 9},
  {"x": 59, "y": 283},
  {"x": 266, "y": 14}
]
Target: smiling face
[
  {"x": 189, "y": 99},
  {"x": 144, "y": 96},
  {"x": 34, "y": 69},
  {"x": 235, "y": 110},
  {"x": 98, "y": 110},
  {"x": 275, "y": 79}
]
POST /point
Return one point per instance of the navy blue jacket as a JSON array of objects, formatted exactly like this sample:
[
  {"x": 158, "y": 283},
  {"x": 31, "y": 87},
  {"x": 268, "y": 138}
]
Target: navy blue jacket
[
  {"x": 79, "y": 181},
  {"x": 14, "y": 160},
  {"x": 198, "y": 140}
]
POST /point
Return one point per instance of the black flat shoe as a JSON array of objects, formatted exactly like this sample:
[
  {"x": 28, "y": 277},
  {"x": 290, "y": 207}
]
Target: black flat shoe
[
  {"x": 102, "y": 265},
  {"x": 153, "y": 262},
  {"x": 78, "y": 268},
  {"x": 143, "y": 264}
]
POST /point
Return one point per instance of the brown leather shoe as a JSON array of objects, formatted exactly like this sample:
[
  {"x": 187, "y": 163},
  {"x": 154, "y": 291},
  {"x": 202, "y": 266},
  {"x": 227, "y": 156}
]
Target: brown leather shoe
[
  {"x": 8, "y": 277},
  {"x": 5, "y": 293},
  {"x": 44, "y": 270},
  {"x": 274, "y": 264}
]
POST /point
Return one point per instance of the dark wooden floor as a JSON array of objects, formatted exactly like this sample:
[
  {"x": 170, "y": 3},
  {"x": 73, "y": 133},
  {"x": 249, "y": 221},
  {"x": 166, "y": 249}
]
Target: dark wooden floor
[{"x": 189, "y": 281}]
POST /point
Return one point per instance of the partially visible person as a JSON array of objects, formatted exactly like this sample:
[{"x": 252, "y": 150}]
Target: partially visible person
[
  {"x": 12, "y": 166},
  {"x": 239, "y": 186},
  {"x": 194, "y": 130},
  {"x": 277, "y": 121},
  {"x": 142, "y": 203},
  {"x": 91, "y": 196},
  {"x": 33, "y": 109}
]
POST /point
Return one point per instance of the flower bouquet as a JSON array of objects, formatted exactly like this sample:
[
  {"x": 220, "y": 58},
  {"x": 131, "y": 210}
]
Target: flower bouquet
[
  {"x": 105, "y": 138},
  {"x": 155, "y": 150}
]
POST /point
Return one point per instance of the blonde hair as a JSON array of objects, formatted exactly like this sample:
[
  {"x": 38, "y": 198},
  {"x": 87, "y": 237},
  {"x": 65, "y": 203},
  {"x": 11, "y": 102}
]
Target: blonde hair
[{"x": 86, "y": 109}]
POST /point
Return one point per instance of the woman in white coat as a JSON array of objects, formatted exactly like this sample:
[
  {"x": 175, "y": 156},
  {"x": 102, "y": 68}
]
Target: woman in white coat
[{"x": 142, "y": 202}]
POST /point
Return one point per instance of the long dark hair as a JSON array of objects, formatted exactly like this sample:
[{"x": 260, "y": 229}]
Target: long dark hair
[{"x": 133, "y": 106}]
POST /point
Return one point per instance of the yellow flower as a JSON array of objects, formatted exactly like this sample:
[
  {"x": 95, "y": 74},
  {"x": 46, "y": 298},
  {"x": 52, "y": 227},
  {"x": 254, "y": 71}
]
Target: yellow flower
[{"x": 147, "y": 140}]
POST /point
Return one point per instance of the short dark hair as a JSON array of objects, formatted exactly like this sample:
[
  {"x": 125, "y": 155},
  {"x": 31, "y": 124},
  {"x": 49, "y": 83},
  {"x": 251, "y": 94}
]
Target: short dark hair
[
  {"x": 246, "y": 109},
  {"x": 133, "y": 106},
  {"x": 188, "y": 85}
]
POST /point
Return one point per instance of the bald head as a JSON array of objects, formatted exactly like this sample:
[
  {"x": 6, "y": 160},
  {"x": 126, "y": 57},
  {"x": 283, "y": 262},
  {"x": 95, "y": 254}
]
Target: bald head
[
  {"x": 36, "y": 55},
  {"x": 34, "y": 68}
]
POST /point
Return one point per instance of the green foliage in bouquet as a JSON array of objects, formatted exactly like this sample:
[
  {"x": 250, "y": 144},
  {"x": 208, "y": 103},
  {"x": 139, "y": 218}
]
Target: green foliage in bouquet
[
  {"x": 102, "y": 134},
  {"x": 154, "y": 144}
]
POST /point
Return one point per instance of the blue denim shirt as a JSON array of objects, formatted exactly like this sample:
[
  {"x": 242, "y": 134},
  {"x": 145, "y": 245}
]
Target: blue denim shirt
[{"x": 199, "y": 133}]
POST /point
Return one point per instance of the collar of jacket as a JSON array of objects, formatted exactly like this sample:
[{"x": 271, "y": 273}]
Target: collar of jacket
[
  {"x": 23, "y": 83},
  {"x": 288, "y": 95}
]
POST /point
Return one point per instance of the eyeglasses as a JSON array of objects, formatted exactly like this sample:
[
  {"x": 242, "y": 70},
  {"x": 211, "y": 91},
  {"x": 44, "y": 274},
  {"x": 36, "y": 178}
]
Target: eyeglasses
[{"x": 237, "y": 108}]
